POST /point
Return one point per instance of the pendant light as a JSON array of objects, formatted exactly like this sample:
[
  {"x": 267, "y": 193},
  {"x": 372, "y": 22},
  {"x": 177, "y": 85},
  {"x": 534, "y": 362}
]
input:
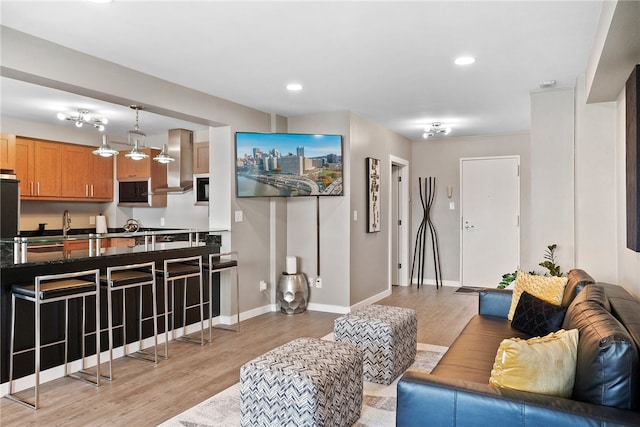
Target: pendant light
[
  {"x": 136, "y": 137},
  {"x": 163, "y": 157},
  {"x": 105, "y": 149}
]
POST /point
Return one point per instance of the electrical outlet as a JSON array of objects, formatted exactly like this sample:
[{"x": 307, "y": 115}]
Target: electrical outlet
[
  {"x": 92, "y": 220},
  {"x": 239, "y": 216},
  {"x": 263, "y": 285},
  {"x": 318, "y": 282}
]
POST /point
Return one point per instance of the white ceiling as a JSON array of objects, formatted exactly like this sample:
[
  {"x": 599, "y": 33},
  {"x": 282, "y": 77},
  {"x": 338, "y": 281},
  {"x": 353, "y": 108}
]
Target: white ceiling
[{"x": 389, "y": 61}]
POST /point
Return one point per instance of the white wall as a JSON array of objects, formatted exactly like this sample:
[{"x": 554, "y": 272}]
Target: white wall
[
  {"x": 370, "y": 274},
  {"x": 334, "y": 222},
  {"x": 595, "y": 187},
  {"x": 552, "y": 174},
  {"x": 440, "y": 158}
]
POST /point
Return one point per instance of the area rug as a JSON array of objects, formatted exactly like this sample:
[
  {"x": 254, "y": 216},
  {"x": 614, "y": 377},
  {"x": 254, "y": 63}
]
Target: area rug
[{"x": 378, "y": 406}]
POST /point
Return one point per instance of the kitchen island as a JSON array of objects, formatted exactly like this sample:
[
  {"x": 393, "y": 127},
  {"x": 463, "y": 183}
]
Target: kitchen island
[{"x": 23, "y": 259}]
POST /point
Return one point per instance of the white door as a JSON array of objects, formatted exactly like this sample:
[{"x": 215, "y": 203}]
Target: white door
[
  {"x": 399, "y": 223},
  {"x": 490, "y": 219},
  {"x": 396, "y": 222}
]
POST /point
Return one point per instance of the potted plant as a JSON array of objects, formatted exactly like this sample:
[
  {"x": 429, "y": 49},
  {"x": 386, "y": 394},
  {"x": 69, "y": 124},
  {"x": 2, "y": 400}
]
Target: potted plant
[{"x": 549, "y": 263}]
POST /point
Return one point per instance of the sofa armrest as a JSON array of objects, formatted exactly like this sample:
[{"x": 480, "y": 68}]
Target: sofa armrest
[
  {"x": 449, "y": 402},
  {"x": 494, "y": 302}
]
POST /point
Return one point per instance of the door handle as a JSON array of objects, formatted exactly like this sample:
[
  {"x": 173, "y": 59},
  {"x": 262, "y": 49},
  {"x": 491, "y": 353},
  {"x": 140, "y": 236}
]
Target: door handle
[{"x": 467, "y": 225}]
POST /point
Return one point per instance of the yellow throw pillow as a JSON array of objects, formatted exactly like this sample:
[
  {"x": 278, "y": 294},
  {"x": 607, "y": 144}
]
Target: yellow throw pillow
[
  {"x": 544, "y": 365},
  {"x": 549, "y": 289}
]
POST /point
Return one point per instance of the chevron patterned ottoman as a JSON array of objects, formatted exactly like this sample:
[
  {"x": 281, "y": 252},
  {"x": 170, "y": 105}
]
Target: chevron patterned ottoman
[
  {"x": 306, "y": 382},
  {"x": 387, "y": 336}
]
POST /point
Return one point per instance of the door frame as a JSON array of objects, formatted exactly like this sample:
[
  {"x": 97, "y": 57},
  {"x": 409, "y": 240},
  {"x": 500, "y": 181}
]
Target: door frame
[
  {"x": 403, "y": 237},
  {"x": 461, "y": 217}
]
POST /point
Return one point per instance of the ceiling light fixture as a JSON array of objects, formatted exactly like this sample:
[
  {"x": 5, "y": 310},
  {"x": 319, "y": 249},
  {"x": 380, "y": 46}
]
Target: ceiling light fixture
[
  {"x": 83, "y": 117},
  {"x": 294, "y": 87},
  {"x": 105, "y": 149},
  {"x": 547, "y": 84},
  {"x": 163, "y": 157},
  {"x": 136, "y": 138},
  {"x": 465, "y": 60},
  {"x": 436, "y": 129}
]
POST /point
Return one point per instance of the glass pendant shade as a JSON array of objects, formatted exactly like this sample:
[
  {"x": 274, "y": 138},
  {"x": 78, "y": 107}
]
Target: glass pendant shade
[
  {"x": 163, "y": 157},
  {"x": 105, "y": 149},
  {"x": 136, "y": 138},
  {"x": 136, "y": 154}
]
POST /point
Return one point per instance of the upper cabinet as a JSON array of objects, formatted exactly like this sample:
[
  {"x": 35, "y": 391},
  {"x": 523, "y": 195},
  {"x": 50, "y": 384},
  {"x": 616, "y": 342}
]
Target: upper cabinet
[
  {"x": 58, "y": 171},
  {"x": 39, "y": 169},
  {"x": 7, "y": 152},
  {"x": 145, "y": 168},
  {"x": 90, "y": 178},
  {"x": 200, "y": 157}
]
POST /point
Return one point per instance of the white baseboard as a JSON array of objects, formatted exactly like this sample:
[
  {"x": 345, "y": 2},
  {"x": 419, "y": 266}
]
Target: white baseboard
[{"x": 371, "y": 300}]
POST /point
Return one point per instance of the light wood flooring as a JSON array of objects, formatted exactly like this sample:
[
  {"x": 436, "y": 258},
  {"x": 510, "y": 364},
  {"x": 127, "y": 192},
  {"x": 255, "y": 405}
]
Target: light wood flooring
[{"x": 143, "y": 394}]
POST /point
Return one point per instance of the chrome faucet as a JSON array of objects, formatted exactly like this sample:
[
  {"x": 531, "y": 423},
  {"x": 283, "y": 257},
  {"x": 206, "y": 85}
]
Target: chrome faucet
[{"x": 66, "y": 223}]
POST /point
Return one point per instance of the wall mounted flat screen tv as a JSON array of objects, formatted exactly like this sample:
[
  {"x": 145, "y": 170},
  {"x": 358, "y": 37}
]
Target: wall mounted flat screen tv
[{"x": 288, "y": 165}]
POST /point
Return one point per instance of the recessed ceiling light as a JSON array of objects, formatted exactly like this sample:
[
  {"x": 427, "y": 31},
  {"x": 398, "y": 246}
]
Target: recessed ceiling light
[
  {"x": 465, "y": 60},
  {"x": 294, "y": 87}
]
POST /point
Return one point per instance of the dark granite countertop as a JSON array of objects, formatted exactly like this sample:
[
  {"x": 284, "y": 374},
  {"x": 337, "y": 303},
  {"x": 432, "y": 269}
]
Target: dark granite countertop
[{"x": 49, "y": 249}]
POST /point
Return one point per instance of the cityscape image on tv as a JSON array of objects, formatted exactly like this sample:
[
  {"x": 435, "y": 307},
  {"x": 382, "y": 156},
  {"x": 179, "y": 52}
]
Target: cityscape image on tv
[{"x": 288, "y": 165}]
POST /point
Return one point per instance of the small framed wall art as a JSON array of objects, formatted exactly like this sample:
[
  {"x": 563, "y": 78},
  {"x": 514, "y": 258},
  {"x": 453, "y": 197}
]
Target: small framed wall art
[{"x": 373, "y": 195}]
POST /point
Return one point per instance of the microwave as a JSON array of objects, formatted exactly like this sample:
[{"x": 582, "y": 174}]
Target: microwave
[
  {"x": 201, "y": 189},
  {"x": 134, "y": 193}
]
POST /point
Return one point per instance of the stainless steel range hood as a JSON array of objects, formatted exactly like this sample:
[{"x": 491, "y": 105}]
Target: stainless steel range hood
[{"x": 180, "y": 172}]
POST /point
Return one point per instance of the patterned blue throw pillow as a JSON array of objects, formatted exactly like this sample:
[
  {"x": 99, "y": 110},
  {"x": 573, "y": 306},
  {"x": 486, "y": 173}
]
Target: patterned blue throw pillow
[{"x": 537, "y": 317}]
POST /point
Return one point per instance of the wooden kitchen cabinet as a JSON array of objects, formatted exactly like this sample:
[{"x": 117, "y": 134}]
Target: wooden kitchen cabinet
[
  {"x": 38, "y": 167},
  {"x": 145, "y": 168},
  {"x": 102, "y": 173},
  {"x": 90, "y": 178},
  {"x": 74, "y": 178},
  {"x": 200, "y": 157},
  {"x": 7, "y": 152},
  {"x": 58, "y": 171}
]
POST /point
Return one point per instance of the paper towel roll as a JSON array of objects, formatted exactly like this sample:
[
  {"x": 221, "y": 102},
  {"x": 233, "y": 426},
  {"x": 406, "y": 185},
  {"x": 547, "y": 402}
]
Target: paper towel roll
[
  {"x": 101, "y": 224},
  {"x": 292, "y": 265}
]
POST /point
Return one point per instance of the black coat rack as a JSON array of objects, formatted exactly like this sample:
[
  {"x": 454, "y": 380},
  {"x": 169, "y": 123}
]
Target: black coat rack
[{"x": 427, "y": 197}]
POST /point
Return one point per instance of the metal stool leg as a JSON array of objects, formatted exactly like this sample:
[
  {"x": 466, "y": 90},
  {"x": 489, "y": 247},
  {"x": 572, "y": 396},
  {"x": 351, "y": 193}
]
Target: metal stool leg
[
  {"x": 174, "y": 270},
  {"x": 38, "y": 295},
  {"x": 224, "y": 266}
]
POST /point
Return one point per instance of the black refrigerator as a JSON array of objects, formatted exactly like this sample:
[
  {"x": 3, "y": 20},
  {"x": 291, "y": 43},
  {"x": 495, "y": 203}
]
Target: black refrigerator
[{"x": 9, "y": 206}]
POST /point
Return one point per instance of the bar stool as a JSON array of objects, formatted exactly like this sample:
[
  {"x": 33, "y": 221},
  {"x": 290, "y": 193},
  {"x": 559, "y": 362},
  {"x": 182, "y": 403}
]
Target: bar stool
[
  {"x": 49, "y": 289},
  {"x": 176, "y": 269},
  {"x": 218, "y": 265},
  {"x": 121, "y": 278}
]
